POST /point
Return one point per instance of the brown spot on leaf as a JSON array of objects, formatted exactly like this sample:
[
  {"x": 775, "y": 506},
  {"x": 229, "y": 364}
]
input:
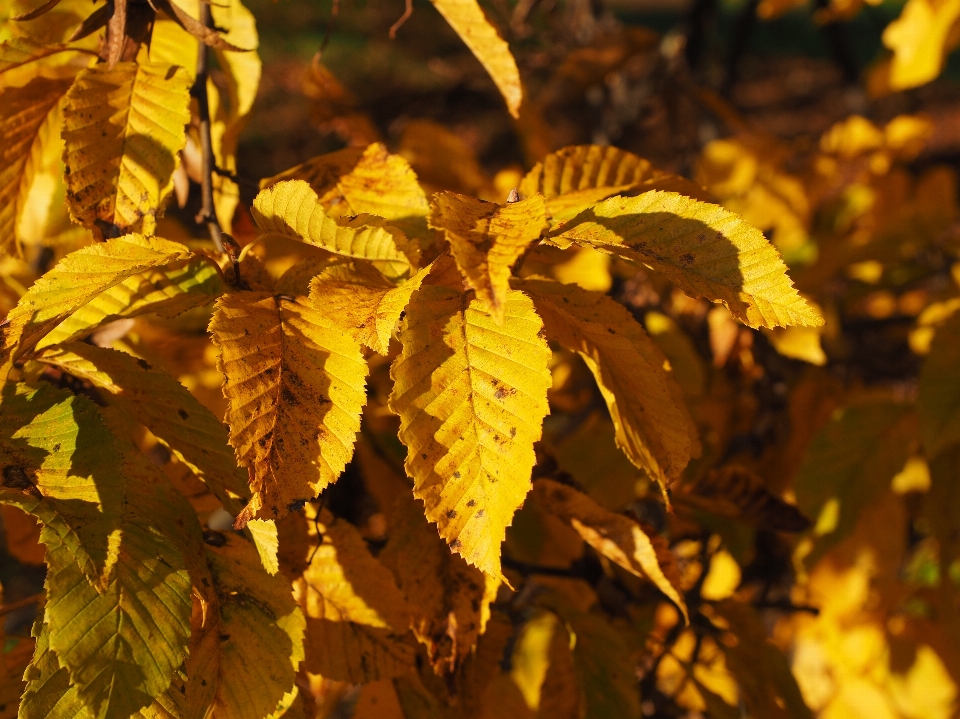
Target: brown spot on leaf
[
  {"x": 451, "y": 514},
  {"x": 472, "y": 503},
  {"x": 214, "y": 538},
  {"x": 183, "y": 414}
]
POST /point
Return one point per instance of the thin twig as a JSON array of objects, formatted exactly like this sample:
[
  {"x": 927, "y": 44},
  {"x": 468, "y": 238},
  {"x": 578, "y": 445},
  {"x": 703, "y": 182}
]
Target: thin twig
[
  {"x": 786, "y": 606},
  {"x": 407, "y": 12},
  {"x": 208, "y": 211},
  {"x": 20, "y": 604}
]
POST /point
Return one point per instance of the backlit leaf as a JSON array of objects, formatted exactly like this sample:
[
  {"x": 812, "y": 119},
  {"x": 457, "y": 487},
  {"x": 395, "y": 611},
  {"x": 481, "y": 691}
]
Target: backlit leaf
[
  {"x": 939, "y": 398},
  {"x": 122, "y": 645},
  {"x": 166, "y": 291},
  {"x": 76, "y": 280},
  {"x": 165, "y": 407},
  {"x": 123, "y": 128},
  {"x": 478, "y": 34},
  {"x": 850, "y": 462},
  {"x": 471, "y": 395},
  {"x": 244, "y": 658},
  {"x": 574, "y": 178},
  {"x": 295, "y": 385},
  {"x": 23, "y": 111},
  {"x": 60, "y": 464},
  {"x": 652, "y": 425},
  {"x": 370, "y": 311},
  {"x": 919, "y": 39},
  {"x": 487, "y": 239},
  {"x": 705, "y": 250},
  {"x": 292, "y": 209},
  {"x": 615, "y": 536},
  {"x": 449, "y": 615},
  {"x": 356, "y": 615}
]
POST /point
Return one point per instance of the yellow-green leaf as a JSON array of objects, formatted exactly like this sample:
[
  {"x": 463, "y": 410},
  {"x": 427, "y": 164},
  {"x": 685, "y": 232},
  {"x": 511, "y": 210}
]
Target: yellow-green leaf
[
  {"x": 471, "y": 395},
  {"x": 575, "y": 177},
  {"x": 76, "y": 280},
  {"x": 295, "y": 385},
  {"x": 939, "y": 397},
  {"x": 122, "y": 645},
  {"x": 60, "y": 464},
  {"x": 368, "y": 311},
  {"x": 447, "y": 616},
  {"x": 615, "y": 536},
  {"x": 292, "y": 209},
  {"x": 704, "y": 249},
  {"x": 487, "y": 239},
  {"x": 166, "y": 291},
  {"x": 356, "y": 615},
  {"x": 123, "y": 128},
  {"x": 165, "y": 407},
  {"x": 23, "y": 111},
  {"x": 264, "y": 533},
  {"x": 653, "y": 427},
  {"x": 478, "y": 34},
  {"x": 244, "y": 658}
]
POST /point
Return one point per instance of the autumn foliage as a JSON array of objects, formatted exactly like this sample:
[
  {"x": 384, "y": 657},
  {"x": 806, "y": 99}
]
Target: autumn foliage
[{"x": 387, "y": 434}]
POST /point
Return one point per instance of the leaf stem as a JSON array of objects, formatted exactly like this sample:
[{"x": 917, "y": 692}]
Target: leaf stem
[{"x": 208, "y": 211}]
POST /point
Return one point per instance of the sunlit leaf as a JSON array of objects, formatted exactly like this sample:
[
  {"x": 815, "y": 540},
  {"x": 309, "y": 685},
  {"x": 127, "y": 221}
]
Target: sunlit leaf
[
  {"x": 487, "y": 239},
  {"x": 653, "y": 427},
  {"x": 123, "y": 128},
  {"x": 920, "y": 39},
  {"x": 704, "y": 249},
  {"x": 292, "y": 209},
  {"x": 356, "y": 615},
  {"x": 478, "y": 34},
  {"x": 615, "y": 536},
  {"x": 295, "y": 384},
  {"x": 471, "y": 395}
]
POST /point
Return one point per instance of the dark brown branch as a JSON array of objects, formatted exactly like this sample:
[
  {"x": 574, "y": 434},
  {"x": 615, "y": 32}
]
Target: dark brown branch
[
  {"x": 20, "y": 604},
  {"x": 208, "y": 211}
]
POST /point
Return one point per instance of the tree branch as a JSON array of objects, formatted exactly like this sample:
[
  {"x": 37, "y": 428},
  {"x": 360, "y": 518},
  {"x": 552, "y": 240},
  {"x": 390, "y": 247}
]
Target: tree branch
[{"x": 208, "y": 211}]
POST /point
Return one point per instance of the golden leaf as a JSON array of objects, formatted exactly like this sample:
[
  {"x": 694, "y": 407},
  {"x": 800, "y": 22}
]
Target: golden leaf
[
  {"x": 576, "y": 177},
  {"x": 653, "y": 427},
  {"x": 615, "y": 536},
  {"x": 478, "y": 34},
  {"x": 702, "y": 248},
  {"x": 295, "y": 385},
  {"x": 920, "y": 39},
  {"x": 76, "y": 280},
  {"x": 369, "y": 311},
  {"x": 165, "y": 407},
  {"x": 23, "y": 112},
  {"x": 356, "y": 615},
  {"x": 292, "y": 209},
  {"x": 123, "y": 128},
  {"x": 449, "y": 615},
  {"x": 487, "y": 239},
  {"x": 471, "y": 395}
]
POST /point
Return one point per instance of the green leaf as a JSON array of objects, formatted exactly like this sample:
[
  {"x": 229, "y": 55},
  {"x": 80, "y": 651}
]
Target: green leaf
[
  {"x": 165, "y": 407},
  {"x": 939, "y": 396},
  {"x": 704, "y": 249},
  {"x": 850, "y": 462}
]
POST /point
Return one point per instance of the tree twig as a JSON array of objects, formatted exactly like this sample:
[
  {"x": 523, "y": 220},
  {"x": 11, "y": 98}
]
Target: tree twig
[
  {"x": 208, "y": 211},
  {"x": 20, "y": 604}
]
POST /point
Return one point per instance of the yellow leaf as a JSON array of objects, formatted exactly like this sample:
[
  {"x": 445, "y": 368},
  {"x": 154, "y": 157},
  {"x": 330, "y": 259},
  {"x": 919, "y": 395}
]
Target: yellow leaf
[
  {"x": 653, "y": 427},
  {"x": 76, "y": 280},
  {"x": 370, "y": 311},
  {"x": 702, "y": 248},
  {"x": 165, "y": 407},
  {"x": 123, "y": 128},
  {"x": 576, "y": 177},
  {"x": 615, "y": 536},
  {"x": 802, "y": 343},
  {"x": 355, "y": 181},
  {"x": 167, "y": 292},
  {"x": 23, "y": 112},
  {"x": 919, "y": 39},
  {"x": 292, "y": 209},
  {"x": 264, "y": 533},
  {"x": 723, "y": 577},
  {"x": 356, "y": 615},
  {"x": 471, "y": 395},
  {"x": 447, "y": 616},
  {"x": 478, "y": 34},
  {"x": 487, "y": 239},
  {"x": 295, "y": 386}
]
